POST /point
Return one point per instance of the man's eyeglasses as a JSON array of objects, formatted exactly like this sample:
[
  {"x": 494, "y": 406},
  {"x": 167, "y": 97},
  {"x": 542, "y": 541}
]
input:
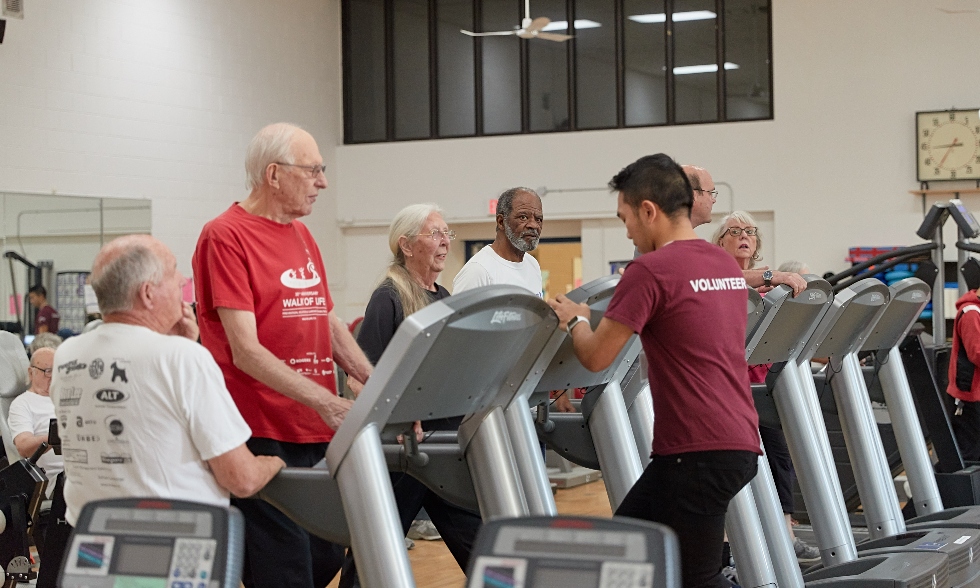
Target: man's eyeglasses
[
  {"x": 712, "y": 193},
  {"x": 737, "y": 231},
  {"x": 315, "y": 170},
  {"x": 436, "y": 235},
  {"x": 46, "y": 372}
]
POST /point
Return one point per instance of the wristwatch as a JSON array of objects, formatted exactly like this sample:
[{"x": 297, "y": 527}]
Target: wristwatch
[
  {"x": 574, "y": 321},
  {"x": 767, "y": 278}
]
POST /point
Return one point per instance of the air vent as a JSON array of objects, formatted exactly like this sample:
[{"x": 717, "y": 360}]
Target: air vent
[{"x": 13, "y": 8}]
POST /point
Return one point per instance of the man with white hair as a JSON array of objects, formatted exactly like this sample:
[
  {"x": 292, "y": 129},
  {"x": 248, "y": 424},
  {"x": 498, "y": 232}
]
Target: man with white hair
[
  {"x": 142, "y": 408},
  {"x": 266, "y": 314}
]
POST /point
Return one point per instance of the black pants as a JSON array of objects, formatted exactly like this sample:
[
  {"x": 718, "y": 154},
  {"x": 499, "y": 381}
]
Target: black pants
[
  {"x": 278, "y": 552},
  {"x": 781, "y": 464},
  {"x": 689, "y": 493},
  {"x": 966, "y": 428}
]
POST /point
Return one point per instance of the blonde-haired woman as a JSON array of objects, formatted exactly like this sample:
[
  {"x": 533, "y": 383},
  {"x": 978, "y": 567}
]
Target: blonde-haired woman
[{"x": 419, "y": 241}]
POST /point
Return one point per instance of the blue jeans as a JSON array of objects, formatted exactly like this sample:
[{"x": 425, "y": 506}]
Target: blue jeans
[{"x": 690, "y": 492}]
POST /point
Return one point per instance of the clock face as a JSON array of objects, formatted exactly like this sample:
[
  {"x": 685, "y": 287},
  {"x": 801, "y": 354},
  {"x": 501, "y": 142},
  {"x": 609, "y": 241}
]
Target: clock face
[{"x": 948, "y": 145}]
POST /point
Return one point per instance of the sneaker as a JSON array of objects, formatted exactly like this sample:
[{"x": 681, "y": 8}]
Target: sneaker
[
  {"x": 409, "y": 544},
  {"x": 805, "y": 553},
  {"x": 424, "y": 529},
  {"x": 730, "y": 574}
]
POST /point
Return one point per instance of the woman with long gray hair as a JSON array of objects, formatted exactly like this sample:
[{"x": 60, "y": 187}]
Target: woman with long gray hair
[{"x": 419, "y": 241}]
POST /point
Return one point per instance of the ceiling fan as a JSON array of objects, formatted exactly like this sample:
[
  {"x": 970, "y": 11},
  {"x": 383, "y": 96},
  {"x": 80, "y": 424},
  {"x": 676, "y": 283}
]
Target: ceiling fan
[{"x": 530, "y": 28}]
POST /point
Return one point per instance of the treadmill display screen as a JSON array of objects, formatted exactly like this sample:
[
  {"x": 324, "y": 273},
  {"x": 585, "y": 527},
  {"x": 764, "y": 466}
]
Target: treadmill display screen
[
  {"x": 143, "y": 559},
  {"x": 563, "y": 578},
  {"x": 163, "y": 527},
  {"x": 536, "y": 546}
]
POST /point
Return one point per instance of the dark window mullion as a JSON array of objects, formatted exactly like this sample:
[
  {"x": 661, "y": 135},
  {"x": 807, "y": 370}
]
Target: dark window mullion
[
  {"x": 669, "y": 62},
  {"x": 389, "y": 8},
  {"x": 772, "y": 113},
  {"x": 570, "y": 54},
  {"x": 433, "y": 70},
  {"x": 620, "y": 64},
  {"x": 347, "y": 68},
  {"x": 525, "y": 65},
  {"x": 478, "y": 65},
  {"x": 720, "y": 59}
]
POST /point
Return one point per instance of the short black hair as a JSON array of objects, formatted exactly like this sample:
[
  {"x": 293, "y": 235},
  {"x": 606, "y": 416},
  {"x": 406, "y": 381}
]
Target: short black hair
[
  {"x": 656, "y": 178},
  {"x": 39, "y": 289},
  {"x": 505, "y": 202}
]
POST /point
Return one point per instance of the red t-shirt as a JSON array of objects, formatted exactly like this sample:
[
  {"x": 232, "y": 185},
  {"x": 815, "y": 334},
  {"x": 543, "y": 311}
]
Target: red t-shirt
[
  {"x": 247, "y": 262},
  {"x": 47, "y": 316},
  {"x": 687, "y": 301}
]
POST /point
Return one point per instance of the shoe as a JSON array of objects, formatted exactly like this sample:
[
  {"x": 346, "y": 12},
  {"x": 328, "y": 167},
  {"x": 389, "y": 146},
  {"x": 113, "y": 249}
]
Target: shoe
[
  {"x": 409, "y": 544},
  {"x": 730, "y": 574},
  {"x": 423, "y": 529},
  {"x": 805, "y": 553}
]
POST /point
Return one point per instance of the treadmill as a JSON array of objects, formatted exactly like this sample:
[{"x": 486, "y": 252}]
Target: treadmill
[
  {"x": 600, "y": 436},
  {"x": 838, "y": 328},
  {"x": 422, "y": 375}
]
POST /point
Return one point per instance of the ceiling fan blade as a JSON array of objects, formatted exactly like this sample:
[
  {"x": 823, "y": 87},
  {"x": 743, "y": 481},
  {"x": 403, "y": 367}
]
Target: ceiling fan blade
[
  {"x": 553, "y": 36},
  {"x": 538, "y": 24},
  {"x": 495, "y": 33}
]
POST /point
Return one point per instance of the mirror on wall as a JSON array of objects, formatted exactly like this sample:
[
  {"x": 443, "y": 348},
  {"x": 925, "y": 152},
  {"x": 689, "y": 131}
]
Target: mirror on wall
[{"x": 51, "y": 240}]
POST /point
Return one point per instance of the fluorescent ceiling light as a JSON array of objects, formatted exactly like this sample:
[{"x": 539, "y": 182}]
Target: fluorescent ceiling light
[
  {"x": 707, "y": 68},
  {"x": 678, "y": 16},
  {"x": 580, "y": 23}
]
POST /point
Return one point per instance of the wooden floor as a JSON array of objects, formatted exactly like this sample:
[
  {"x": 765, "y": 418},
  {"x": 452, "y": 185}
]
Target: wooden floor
[{"x": 434, "y": 566}]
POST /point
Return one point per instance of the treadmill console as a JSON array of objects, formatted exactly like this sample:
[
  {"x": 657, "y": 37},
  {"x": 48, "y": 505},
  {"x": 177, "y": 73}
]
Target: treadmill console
[
  {"x": 965, "y": 220},
  {"x": 154, "y": 543},
  {"x": 935, "y": 218},
  {"x": 540, "y": 552}
]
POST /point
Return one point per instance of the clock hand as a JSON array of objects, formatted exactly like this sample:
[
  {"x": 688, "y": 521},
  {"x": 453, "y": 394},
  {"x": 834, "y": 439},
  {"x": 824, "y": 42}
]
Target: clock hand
[
  {"x": 953, "y": 144},
  {"x": 948, "y": 152}
]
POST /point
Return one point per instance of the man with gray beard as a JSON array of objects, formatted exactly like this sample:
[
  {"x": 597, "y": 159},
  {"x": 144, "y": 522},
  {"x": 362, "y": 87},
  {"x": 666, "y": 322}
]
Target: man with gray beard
[{"x": 519, "y": 222}]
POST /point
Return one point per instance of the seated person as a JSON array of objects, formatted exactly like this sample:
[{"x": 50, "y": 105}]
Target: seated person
[
  {"x": 31, "y": 413},
  {"x": 143, "y": 409}
]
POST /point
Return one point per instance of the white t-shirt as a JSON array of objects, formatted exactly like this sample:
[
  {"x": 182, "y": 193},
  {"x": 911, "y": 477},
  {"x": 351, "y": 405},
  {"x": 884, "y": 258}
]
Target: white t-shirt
[
  {"x": 139, "y": 413},
  {"x": 32, "y": 413},
  {"x": 486, "y": 267}
]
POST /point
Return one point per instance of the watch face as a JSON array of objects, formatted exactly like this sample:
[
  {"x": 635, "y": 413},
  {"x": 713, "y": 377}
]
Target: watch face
[{"x": 948, "y": 145}]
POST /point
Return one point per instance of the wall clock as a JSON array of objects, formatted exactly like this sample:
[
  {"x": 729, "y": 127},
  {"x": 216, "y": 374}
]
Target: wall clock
[{"x": 948, "y": 145}]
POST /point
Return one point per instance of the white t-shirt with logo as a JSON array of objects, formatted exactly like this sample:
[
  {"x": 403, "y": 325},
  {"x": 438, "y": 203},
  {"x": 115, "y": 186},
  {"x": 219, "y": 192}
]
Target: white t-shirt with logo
[
  {"x": 486, "y": 267},
  {"x": 139, "y": 413},
  {"x": 32, "y": 413}
]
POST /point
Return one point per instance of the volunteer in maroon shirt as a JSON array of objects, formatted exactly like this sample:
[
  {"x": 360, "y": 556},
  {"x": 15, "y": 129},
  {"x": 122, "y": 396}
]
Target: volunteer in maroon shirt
[
  {"x": 266, "y": 315},
  {"x": 686, "y": 298}
]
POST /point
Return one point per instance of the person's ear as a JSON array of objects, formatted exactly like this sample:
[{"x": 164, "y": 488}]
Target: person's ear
[
  {"x": 272, "y": 175},
  {"x": 648, "y": 211},
  {"x": 145, "y": 295},
  {"x": 403, "y": 245}
]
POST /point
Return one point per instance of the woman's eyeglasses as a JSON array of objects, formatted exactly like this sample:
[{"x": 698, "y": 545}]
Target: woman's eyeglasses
[
  {"x": 737, "y": 231},
  {"x": 436, "y": 235}
]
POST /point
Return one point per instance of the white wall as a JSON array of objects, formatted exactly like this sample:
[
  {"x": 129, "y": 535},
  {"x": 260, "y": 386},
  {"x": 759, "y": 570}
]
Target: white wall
[
  {"x": 834, "y": 166},
  {"x": 157, "y": 100}
]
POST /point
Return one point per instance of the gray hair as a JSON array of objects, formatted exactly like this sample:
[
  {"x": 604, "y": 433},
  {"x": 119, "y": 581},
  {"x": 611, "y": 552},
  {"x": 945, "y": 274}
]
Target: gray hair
[
  {"x": 407, "y": 223},
  {"x": 794, "y": 267},
  {"x": 117, "y": 281},
  {"x": 270, "y": 145},
  {"x": 505, "y": 202},
  {"x": 44, "y": 341},
  {"x": 744, "y": 218}
]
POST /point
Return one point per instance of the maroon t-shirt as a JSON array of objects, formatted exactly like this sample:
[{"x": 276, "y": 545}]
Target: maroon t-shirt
[
  {"x": 47, "y": 316},
  {"x": 273, "y": 270},
  {"x": 687, "y": 301}
]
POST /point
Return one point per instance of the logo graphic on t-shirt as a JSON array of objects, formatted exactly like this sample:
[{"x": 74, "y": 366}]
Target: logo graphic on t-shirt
[
  {"x": 96, "y": 368},
  {"x": 71, "y": 366},
  {"x": 115, "y": 458},
  {"x": 111, "y": 396},
  {"x": 75, "y": 455},
  {"x": 118, "y": 372},
  {"x": 70, "y": 396},
  {"x": 114, "y": 425},
  {"x": 297, "y": 279}
]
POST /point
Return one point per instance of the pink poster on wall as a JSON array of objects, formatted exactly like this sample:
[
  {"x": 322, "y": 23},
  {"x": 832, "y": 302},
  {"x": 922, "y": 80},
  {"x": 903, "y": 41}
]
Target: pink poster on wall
[{"x": 16, "y": 305}]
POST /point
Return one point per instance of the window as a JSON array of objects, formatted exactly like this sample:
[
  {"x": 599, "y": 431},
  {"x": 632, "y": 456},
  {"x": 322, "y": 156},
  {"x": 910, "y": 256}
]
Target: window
[{"x": 409, "y": 73}]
